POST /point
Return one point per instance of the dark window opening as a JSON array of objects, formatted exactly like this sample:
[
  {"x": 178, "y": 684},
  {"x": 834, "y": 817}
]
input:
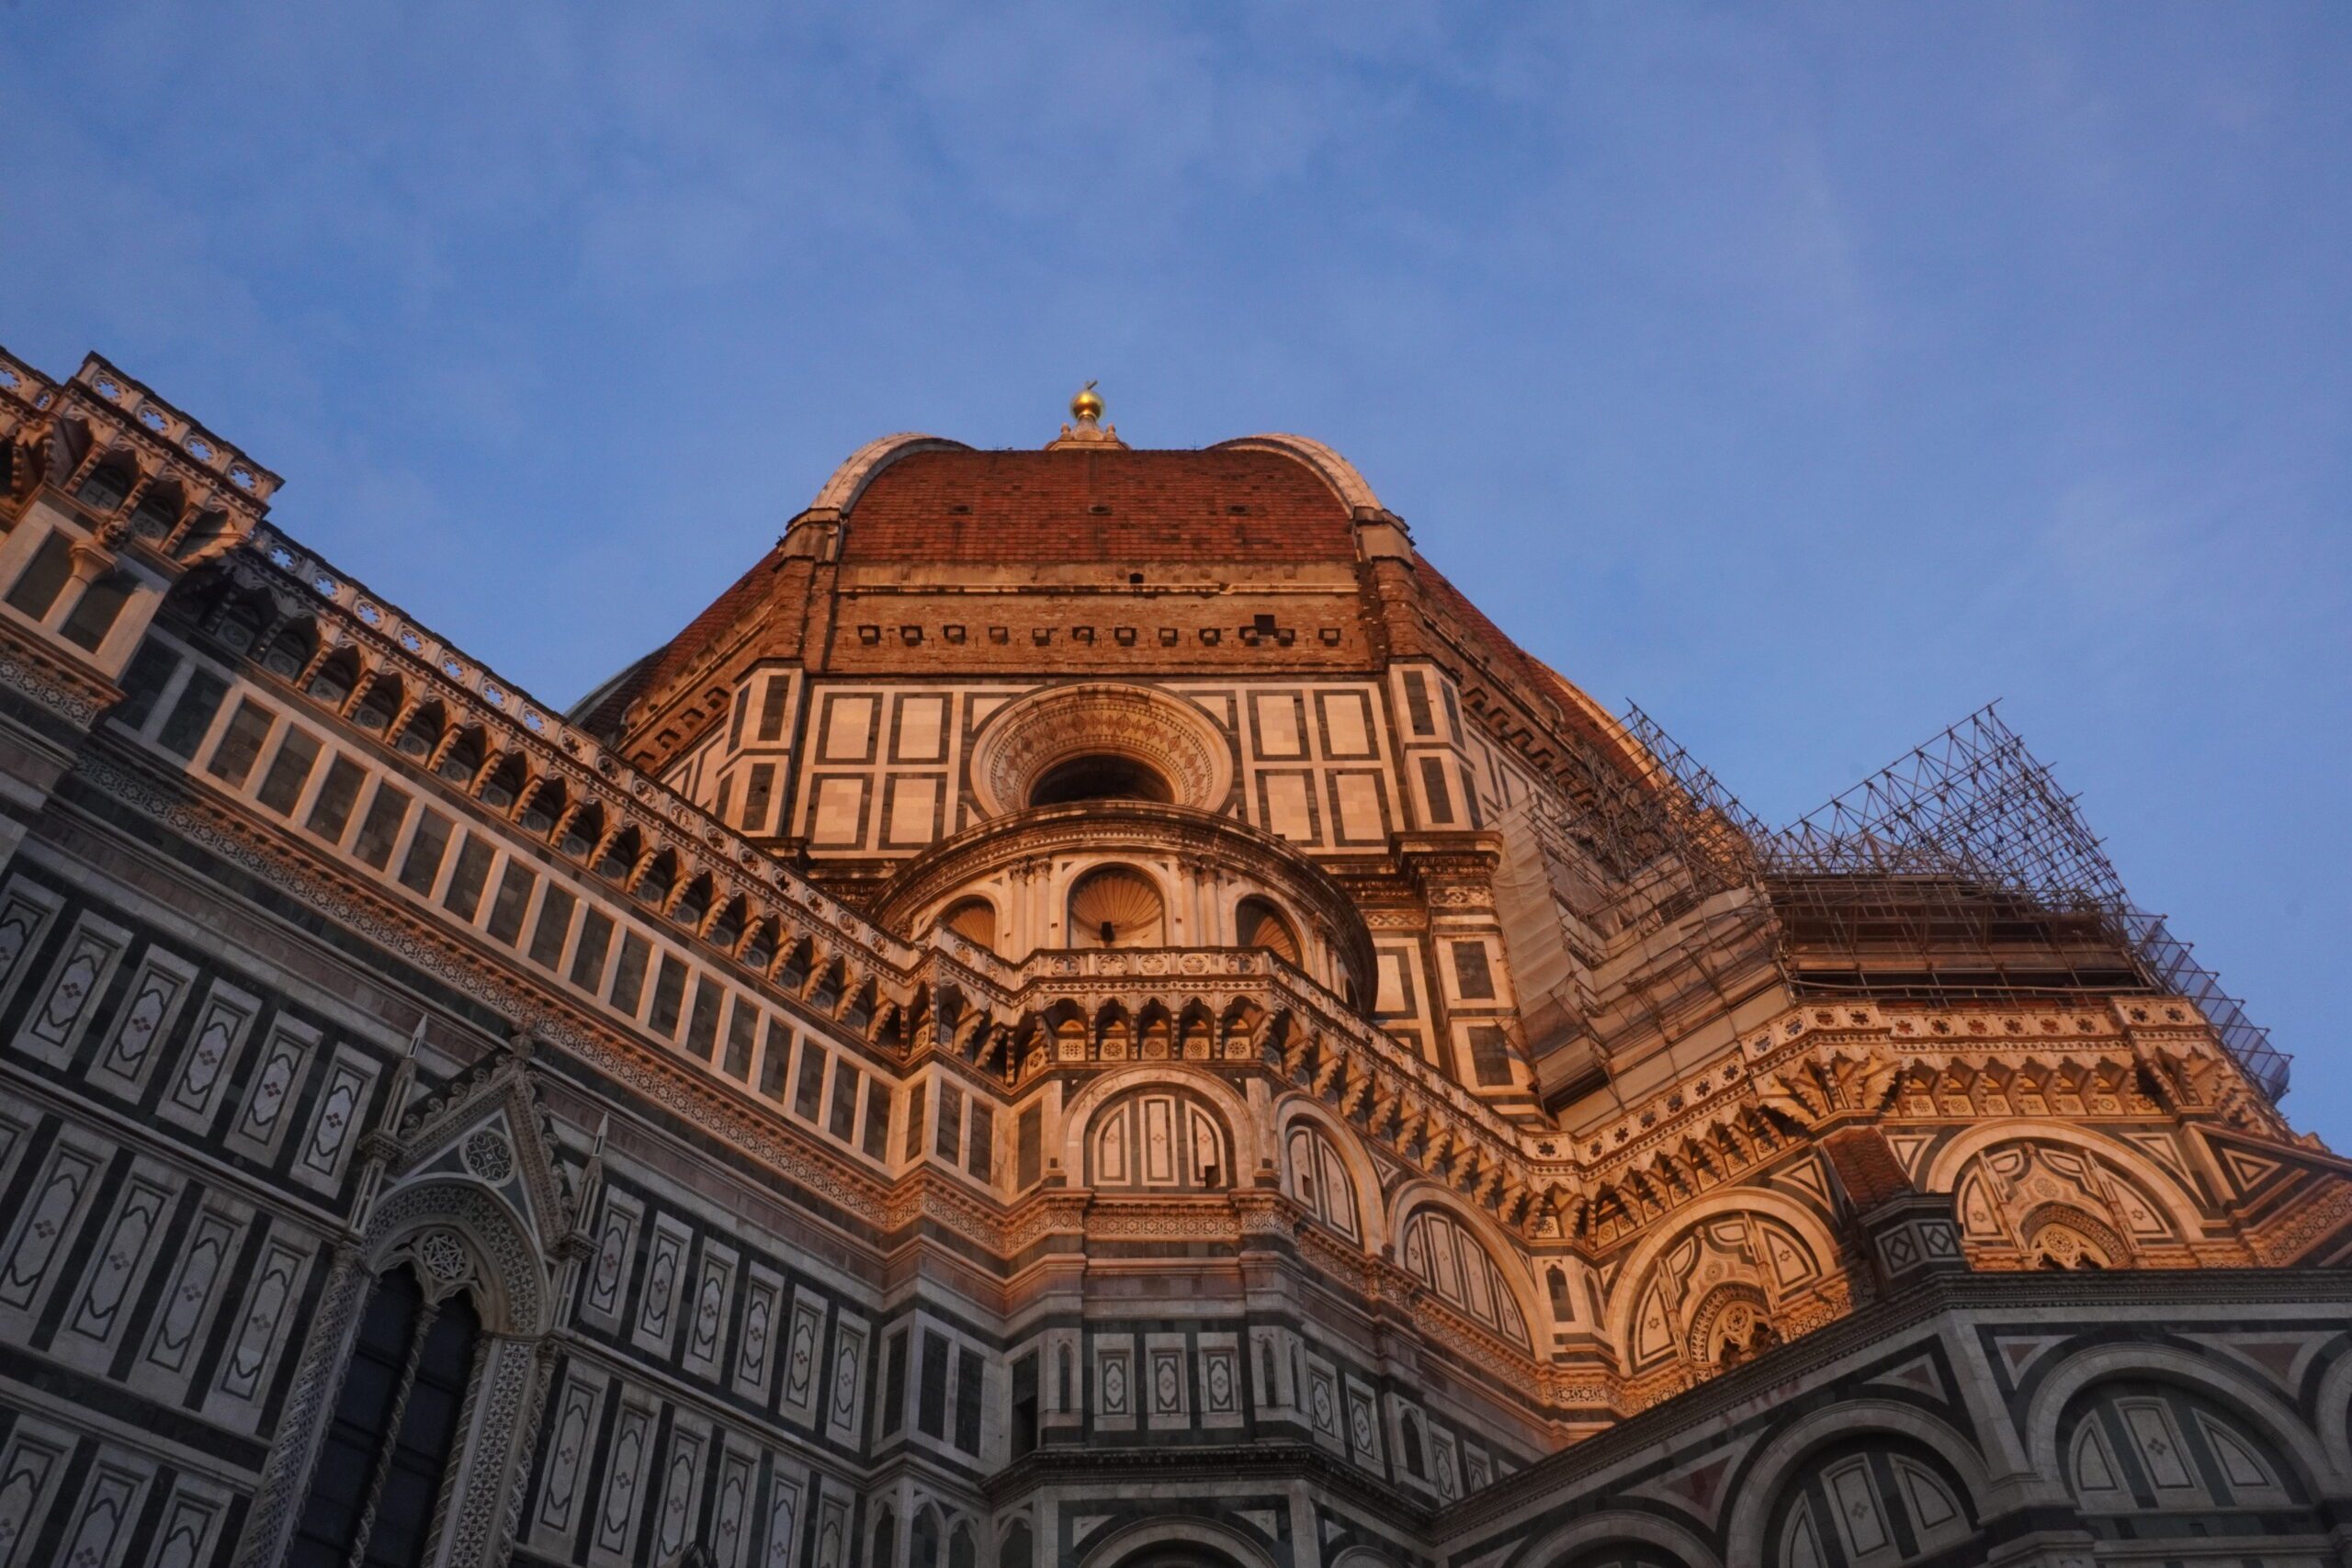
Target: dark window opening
[
  {"x": 930, "y": 1415},
  {"x": 426, "y": 848},
  {"x": 1102, "y": 777},
  {"x": 38, "y": 587},
  {"x": 555, "y": 924},
  {"x": 183, "y": 731},
  {"x": 668, "y": 997},
  {"x": 330, "y": 812},
  {"x": 844, "y": 1120},
  {"x": 466, "y": 881},
  {"x": 370, "y": 1476},
  {"x": 808, "y": 1089},
  {"x": 743, "y": 1029},
  {"x": 1024, "y": 1405},
  {"x": 240, "y": 746},
  {"x": 94, "y": 614},
  {"x": 381, "y": 827},
  {"x": 143, "y": 683},
  {"x": 289, "y": 772},
  {"x": 629, "y": 974},
  {"x": 968, "y": 1387}
]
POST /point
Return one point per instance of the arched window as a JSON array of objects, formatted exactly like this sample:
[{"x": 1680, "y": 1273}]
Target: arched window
[
  {"x": 1450, "y": 1262},
  {"x": 1319, "y": 1180},
  {"x": 1116, "y": 907},
  {"x": 395, "y": 1426},
  {"x": 923, "y": 1541},
  {"x": 1157, "y": 1139},
  {"x": 1257, "y": 923}
]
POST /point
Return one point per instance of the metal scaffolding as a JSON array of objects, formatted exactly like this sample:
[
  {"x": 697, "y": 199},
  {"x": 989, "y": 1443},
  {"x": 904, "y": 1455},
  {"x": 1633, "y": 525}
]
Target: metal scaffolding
[{"x": 1962, "y": 872}]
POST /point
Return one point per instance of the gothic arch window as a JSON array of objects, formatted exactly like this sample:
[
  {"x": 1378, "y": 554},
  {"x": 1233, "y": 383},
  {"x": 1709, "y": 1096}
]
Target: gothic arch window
[
  {"x": 1873, "y": 1499},
  {"x": 1117, "y": 905},
  {"x": 1451, "y": 1262},
  {"x": 1257, "y": 923},
  {"x": 1018, "y": 1549},
  {"x": 1157, "y": 1139},
  {"x": 394, "y": 1428},
  {"x": 1320, "y": 1181},
  {"x": 922, "y": 1541}
]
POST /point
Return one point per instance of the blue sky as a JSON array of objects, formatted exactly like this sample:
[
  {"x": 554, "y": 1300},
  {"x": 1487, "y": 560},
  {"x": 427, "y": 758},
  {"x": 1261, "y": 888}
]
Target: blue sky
[{"x": 1809, "y": 376}]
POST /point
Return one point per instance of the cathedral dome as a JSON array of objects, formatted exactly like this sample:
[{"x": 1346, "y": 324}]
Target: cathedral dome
[{"x": 1107, "y": 504}]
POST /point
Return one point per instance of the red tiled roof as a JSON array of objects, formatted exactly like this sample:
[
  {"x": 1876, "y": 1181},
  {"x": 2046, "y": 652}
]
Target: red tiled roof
[
  {"x": 1102, "y": 507},
  {"x": 658, "y": 667},
  {"x": 1574, "y": 706}
]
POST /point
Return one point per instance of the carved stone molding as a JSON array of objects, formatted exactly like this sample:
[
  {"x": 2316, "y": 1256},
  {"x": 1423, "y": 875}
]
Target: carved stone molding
[{"x": 1032, "y": 735}]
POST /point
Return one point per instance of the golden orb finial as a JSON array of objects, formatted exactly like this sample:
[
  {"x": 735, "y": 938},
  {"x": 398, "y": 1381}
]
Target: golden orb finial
[{"x": 1087, "y": 407}]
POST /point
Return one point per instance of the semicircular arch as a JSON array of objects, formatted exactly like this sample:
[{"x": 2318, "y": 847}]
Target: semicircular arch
[
  {"x": 1140, "y": 1540},
  {"x": 2158, "y": 1184},
  {"x": 1296, "y": 1110},
  {"x": 2046, "y": 1405},
  {"x": 1625, "y": 1292},
  {"x": 1597, "y": 1533},
  {"x": 1078, "y": 1111},
  {"x": 1764, "y": 1477},
  {"x": 1028, "y": 738},
  {"x": 1422, "y": 1195}
]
